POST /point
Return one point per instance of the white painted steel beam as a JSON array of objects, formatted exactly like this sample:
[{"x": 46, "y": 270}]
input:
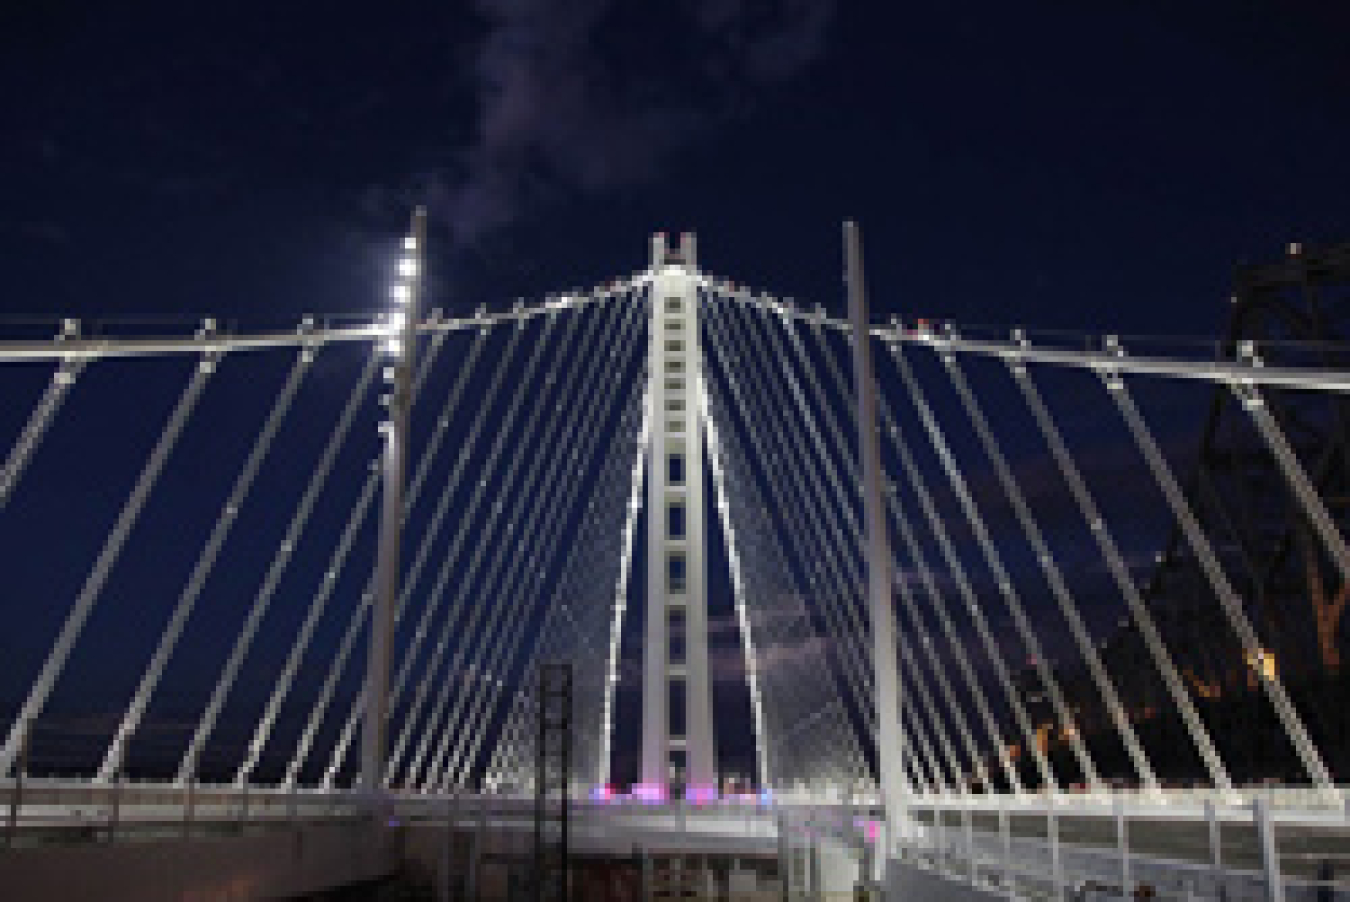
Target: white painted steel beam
[
  {"x": 676, "y": 565},
  {"x": 880, "y": 605}
]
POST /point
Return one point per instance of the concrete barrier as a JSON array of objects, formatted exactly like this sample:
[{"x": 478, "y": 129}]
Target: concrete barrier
[{"x": 274, "y": 863}]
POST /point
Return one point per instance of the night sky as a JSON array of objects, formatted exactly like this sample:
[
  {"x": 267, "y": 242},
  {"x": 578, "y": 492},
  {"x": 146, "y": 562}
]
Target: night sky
[
  {"x": 1087, "y": 166},
  {"x": 1095, "y": 168}
]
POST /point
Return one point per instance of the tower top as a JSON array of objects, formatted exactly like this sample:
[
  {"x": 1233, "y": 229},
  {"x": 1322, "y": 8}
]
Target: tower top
[{"x": 664, "y": 254}]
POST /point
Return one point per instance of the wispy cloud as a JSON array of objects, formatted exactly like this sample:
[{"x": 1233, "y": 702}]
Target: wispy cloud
[{"x": 579, "y": 96}]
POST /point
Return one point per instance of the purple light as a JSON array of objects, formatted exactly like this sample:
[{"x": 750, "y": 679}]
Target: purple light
[
  {"x": 700, "y": 794},
  {"x": 654, "y": 793}
]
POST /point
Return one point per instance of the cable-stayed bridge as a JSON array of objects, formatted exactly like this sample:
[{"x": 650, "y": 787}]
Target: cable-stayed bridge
[{"x": 267, "y": 580}]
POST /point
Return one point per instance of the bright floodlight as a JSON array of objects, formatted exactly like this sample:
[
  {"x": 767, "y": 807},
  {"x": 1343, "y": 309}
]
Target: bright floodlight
[
  {"x": 407, "y": 267},
  {"x": 392, "y": 347},
  {"x": 401, "y": 293},
  {"x": 410, "y": 243},
  {"x": 397, "y": 320}
]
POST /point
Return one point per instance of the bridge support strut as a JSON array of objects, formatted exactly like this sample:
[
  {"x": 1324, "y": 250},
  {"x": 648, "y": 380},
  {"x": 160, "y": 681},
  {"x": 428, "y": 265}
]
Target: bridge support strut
[{"x": 881, "y": 613}]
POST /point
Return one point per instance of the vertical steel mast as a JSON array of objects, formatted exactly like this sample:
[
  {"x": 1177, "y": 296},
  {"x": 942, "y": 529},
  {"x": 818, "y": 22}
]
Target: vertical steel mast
[
  {"x": 400, "y": 347},
  {"x": 879, "y": 592},
  {"x": 677, "y": 731}
]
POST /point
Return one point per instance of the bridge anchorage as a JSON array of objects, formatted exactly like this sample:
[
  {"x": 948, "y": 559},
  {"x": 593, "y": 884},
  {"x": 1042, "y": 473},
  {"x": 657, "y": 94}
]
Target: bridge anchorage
[{"x": 968, "y": 614}]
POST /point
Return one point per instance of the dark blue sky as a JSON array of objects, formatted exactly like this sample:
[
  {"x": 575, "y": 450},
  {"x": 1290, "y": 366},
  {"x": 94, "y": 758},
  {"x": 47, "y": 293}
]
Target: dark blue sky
[{"x": 1089, "y": 166}]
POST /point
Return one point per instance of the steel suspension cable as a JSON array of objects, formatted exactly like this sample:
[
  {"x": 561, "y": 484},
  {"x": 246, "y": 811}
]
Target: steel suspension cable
[
  {"x": 356, "y": 621},
  {"x": 1058, "y": 586},
  {"x": 201, "y": 571},
  {"x": 593, "y": 556},
  {"x": 801, "y": 403},
  {"x": 818, "y": 563},
  {"x": 63, "y": 380},
  {"x": 357, "y": 618},
  {"x": 356, "y": 712},
  {"x": 741, "y": 541},
  {"x": 300, "y": 516},
  {"x": 953, "y": 777},
  {"x": 850, "y": 638},
  {"x": 107, "y": 558},
  {"x": 737, "y": 583},
  {"x": 448, "y": 769},
  {"x": 643, "y": 454},
  {"x": 338, "y": 558},
  {"x": 994, "y": 561},
  {"x": 432, "y": 731},
  {"x": 938, "y": 669},
  {"x": 588, "y": 564},
  {"x": 1302, "y": 488},
  {"x": 494, "y": 575},
  {"x": 935, "y": 596},
  {"x": 834, "y": 512},
  {"x": 552, "y": 525},
  {"x": 502, "y": 550},
  {"x": 761, "y": 580},
  {"x": 841, "y": 444},
  {"x": 319, "y": 604},
  {"x": 1124, "y": 580},
  {"x": 1229, "y": 600}
]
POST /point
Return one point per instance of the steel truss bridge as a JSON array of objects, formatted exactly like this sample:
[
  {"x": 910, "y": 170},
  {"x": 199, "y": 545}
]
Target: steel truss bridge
[{"x": 930, "y": 555}]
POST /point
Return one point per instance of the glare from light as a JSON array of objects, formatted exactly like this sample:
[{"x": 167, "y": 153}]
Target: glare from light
[
  {"x": 397, "y": 320},
  {"x": 401, "y": 293},
  {"x": 393, "y": 347},
  {"x": 410, "y": 243},
  {"x": 407, "y": 267}
]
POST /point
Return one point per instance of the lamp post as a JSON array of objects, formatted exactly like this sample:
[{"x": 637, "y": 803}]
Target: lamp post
[{"x": 399, "y": 347}]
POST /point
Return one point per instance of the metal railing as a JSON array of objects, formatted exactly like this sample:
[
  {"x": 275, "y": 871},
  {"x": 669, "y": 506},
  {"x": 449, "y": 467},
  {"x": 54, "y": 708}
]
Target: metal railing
[
  {"x": 1271, "y": 843},
  {"x": 1277, "y": 844},
  {"x": 42, "y": 810}
]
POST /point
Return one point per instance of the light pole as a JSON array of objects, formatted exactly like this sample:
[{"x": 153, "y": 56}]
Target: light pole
[{"x": 399, "y": 349}]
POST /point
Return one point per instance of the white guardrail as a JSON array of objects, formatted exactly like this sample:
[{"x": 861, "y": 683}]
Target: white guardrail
[{"x": 1266, "y": 843}]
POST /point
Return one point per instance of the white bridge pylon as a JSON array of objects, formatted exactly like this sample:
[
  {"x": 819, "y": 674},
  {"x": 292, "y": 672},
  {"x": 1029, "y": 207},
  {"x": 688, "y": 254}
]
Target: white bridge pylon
[
  {"x": 885, "y": 592},
  {"x": 677, "y": 720}
]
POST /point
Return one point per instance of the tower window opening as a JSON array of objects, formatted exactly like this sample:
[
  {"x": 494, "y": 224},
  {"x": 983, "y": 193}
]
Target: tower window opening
[
  {"x": 676, "y": 709},
  {"x": 677, "y": 574},
  {"x": 675, "y": 469},
  {"x": 675, "y": 521},
  {"x": 675, "y": 634}
]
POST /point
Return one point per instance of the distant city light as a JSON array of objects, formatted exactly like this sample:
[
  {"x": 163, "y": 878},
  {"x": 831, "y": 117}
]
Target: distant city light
[{"x": 1263, "y": 662}]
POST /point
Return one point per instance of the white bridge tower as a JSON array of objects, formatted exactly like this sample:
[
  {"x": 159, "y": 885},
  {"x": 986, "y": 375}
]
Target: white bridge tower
[{"x": 678, "y": 752}]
